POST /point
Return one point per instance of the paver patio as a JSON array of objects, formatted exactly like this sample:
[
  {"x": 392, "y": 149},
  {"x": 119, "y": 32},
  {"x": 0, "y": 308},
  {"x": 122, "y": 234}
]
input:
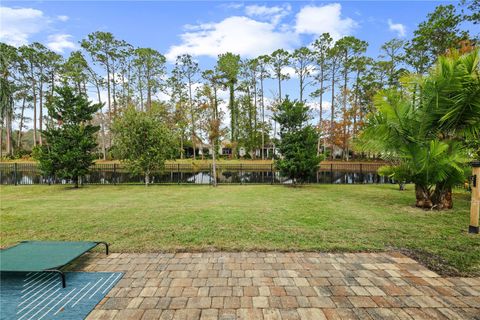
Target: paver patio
[{"x": 273, "y": 285}]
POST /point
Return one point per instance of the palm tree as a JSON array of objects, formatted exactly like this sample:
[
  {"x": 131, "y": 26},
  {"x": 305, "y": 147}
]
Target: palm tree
[{"x": 425, "y": 138}]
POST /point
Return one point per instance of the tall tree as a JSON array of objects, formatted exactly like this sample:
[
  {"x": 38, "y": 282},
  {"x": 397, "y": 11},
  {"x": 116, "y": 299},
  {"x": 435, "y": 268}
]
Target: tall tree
[
  {"x": 79, "y": 74},
  {"x": 473, "y": 7},
  {"x": 151, "y": 68},
  {"x": 435, "y": 36},
  {"x": 179, "y": 101},
  {"x": 263, "y": 74},
  {"x": 349, "y": 49},
  {"x": 75, "y": 72},
  {"x": 31, "y": 57},
  {"x": 335, "y": 60},
  {"x": 8, "y": 58},
  {"x": 302, "y": 62},
  {"x": 211, "y": 120},
  {"x": 392, "y": 52},
  {"x": 187, "y": 69},
  {"x": 102, "y": 47},
  {"x": 228, "y": 66},
  {"x": 279, "y": 59},
  {"x": 321, "y": 47}
]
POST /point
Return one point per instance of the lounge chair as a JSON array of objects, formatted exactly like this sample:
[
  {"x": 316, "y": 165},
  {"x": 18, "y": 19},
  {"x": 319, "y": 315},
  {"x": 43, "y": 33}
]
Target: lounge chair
[{"x": 43, "y": 256}]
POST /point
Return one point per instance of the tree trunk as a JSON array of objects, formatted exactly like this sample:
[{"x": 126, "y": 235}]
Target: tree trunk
[
  {"x": 214, "y": 164},
  {"x": 255, "y": 124},
  {"x": 75, "y": 181},
  {"x": 40, "y": 116},
  {"x": 280, "y": 87},
  {"x": 181, "y": 146},
  {"x": 345, "y": 121},
  {"x": 332, "y": 116},
  {"x": 140, "y": 89},
  {"x": 149, "y": 92},
  {"x": 442, "y": 197},
  {"x": 8, "y": 125},
  {"x": 320, "y": 112},
  {"x": 102, "y": 126},
  {"x": 19, "y": 138},
  {"x": 423, "y": 197},
  {"x": 108, "y": 92},
  {"x": 34, "y": 93},
  {"x": 263, "y": 119},
  {"x": 232, "y": 112},
  {"x": 147, "y": 178},
  {"x": 301, "y": 86},
  {"x": 192, "y": 116},
  {"x": 1, "y": 141},
  {"x": 114, "y": 89}
]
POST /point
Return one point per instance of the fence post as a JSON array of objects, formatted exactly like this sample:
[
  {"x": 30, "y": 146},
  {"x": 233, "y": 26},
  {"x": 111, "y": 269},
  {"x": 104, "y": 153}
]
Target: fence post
[
  {"x": 331, "y": 173},
  {"x": 15, "y": 172},
  {"x": 178, "y": 173},
  {"x": 115, "y": 174}
]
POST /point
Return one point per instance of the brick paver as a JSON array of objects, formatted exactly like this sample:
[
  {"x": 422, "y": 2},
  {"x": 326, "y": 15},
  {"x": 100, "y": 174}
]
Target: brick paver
[{"x": 272, "y": 285}]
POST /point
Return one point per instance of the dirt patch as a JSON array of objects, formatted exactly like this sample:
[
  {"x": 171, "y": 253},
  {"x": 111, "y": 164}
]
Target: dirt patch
[{"x": 436, "y": 263}]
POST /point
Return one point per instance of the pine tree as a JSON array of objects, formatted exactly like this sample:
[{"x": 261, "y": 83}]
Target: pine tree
[
  {"x": 298, "y": 142},
  {"x": 70, "y": 138}
]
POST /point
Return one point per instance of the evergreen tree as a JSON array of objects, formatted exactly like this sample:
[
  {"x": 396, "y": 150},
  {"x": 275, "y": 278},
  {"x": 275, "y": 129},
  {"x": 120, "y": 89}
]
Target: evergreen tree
[
  {"x": 298, "y": 142},
  {"x": 70, "y": 138}
]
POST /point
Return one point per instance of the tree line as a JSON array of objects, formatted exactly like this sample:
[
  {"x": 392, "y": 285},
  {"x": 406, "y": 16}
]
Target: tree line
[{"x": 186, "y": 99}]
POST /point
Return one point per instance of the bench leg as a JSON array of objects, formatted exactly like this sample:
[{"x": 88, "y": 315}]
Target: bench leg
[
  {"x": 62, "y": 276},
  {"x": 106, "y": 246}
]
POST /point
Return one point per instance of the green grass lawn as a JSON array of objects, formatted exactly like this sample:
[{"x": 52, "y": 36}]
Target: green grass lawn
[{"x": 321, "y": 217}]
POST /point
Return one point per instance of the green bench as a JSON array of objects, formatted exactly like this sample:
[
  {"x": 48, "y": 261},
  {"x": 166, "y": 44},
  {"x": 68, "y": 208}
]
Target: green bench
[{"x": 44, "y": 256}]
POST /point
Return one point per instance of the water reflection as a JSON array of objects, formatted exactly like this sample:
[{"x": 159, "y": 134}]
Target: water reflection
[{"x": 201, "y": 177}]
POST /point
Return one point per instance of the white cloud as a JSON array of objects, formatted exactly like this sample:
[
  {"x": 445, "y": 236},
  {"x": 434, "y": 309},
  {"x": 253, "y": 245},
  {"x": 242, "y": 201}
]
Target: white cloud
[
  {"x": 232, "y": 5},
  {"x": 399, "y": 28},
  {"x": 272, "y": 14},
  {"x": 289, "y": 71},
  {"x": 60, "y": 42},
  {"x": 237, "y": 34},
  {"x": 63, "y": 18},
  {"x": 18, "y": 24},
  {"x": 319, "y": 19}
]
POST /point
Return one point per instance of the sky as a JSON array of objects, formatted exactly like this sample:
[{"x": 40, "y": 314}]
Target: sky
[{"x": 205, "y": 29}]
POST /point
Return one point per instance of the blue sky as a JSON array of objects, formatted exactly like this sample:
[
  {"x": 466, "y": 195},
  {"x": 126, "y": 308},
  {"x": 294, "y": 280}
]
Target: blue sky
[
  {"x": 161, "y": 24},
  {"x": 207, "y": 28}
]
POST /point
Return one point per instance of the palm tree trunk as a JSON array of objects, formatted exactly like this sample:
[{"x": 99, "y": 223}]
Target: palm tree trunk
[
  {"x": 423, "y": 197},
  {"x": 442, "y": 197}
]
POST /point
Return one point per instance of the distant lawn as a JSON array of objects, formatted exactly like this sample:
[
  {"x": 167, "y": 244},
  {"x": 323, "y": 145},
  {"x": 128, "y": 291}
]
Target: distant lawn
[{"x": 164, "y": 218}]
